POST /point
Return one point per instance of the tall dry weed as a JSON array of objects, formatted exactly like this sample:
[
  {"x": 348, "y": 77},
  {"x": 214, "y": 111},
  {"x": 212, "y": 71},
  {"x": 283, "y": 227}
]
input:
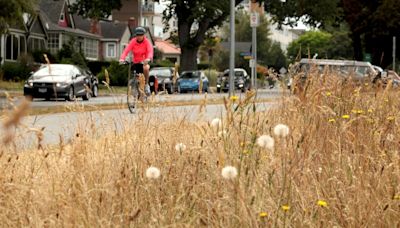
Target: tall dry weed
[{"x": 338, "y": 166}]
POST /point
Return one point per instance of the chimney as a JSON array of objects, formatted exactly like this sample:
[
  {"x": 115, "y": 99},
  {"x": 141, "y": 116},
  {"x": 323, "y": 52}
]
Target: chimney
[
  {"x": 132, "y": 23},
  {"x": 95, "y": 27}
]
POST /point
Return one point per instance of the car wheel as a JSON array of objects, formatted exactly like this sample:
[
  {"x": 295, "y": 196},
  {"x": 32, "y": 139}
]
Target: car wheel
[
  {"x": 218, "y": 90},
  {"x": 87, "y": 95},
  {"x": 95, "y": 91},
  {"x": 70, "y": 94}
]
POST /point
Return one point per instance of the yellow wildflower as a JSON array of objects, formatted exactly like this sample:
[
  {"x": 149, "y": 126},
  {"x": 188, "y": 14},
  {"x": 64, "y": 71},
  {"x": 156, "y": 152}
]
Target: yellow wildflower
[
  {"x": 360, "y": 111},
  {"x": 366, "y": 84},
  {"x": 263, "y": 214},
  {"x": 346, "y": 116},
  {"x": 322, "y": 203},
  {"x": 390, "y": 118},
  {"x": 234, "y": 98},
  {"x": 370, "y": 110},
  {"x": 245, "y": 152},
  {"x": 328, "y": 94},
  {"x": 332, "y": 120},
  {"x": 285, "y": 207},
  {"x": 354, "y": 111},
  {"x": 396, "y": 197},
  {"x": 386, "y": 100}
]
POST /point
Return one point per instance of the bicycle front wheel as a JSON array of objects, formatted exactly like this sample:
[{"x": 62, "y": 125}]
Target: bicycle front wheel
[{"x": 132, "y": 95}]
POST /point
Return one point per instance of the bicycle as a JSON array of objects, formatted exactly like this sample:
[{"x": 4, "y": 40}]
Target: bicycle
[{"x": 135, "y": 89}]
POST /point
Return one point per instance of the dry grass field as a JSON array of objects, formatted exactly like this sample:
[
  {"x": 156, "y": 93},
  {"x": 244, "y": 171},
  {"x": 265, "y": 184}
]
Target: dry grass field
[{"x": 327, "y": 157}]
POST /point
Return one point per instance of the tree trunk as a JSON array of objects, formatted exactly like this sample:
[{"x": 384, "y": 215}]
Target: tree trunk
[
  {"x": 188, "y": 58},
  {"x": 358, "y": 55}
]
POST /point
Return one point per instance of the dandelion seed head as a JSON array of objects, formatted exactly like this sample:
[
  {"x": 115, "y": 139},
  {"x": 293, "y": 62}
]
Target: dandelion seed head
[
  {"x": 180, "y": 147},
  {"x": 216, "y": 123},
  {"x": 222, "y": 134},
  {"x": 229, "y": 172},
  {"x": 153, "y": 173},
  {"x": 281, "y": 130},
  {"x": 266, "y": 141},
  {"x": 390, "y": 137}
]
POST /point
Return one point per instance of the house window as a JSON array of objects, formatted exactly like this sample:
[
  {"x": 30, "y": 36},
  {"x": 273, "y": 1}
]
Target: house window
[
  {"x": 35, "y": 44},
  {"x": 8, "y": 47},
  {"x": 111, "y": 49},
  {"x": 53, "y": 42},
  {"x": 22, "y": 45},
  {"x": 144, "y": 21},
  {"x": 15, "y": 46},
  {"x": 91, "y": 48}
]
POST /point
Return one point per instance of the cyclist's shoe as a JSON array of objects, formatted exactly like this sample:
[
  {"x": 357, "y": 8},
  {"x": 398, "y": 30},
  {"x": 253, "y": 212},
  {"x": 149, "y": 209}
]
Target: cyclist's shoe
[{"x": 147, "y": 90}]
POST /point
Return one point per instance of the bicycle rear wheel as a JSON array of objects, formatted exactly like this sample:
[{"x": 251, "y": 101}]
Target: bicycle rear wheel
[{"x": 132, "y": 95}]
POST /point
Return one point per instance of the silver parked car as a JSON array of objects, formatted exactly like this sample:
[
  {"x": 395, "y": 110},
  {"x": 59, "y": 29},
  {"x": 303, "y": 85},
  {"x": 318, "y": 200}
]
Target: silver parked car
[{"x": 61, "y": 81}]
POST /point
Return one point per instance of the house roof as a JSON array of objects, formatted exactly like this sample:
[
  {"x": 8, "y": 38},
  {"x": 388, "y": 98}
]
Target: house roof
[
  {"x": 167, "y": 47},
  {"x": 52, "y": 9},
  {"x": 50, "y": 26},
  {"x": 109, "y": 29}
]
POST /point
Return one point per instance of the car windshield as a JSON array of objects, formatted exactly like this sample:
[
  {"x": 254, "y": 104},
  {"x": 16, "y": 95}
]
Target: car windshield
[
  {"x": 163, "y": 73},
  {"x": 188, "y": 75},
  {"x": 54, "y": 70},
  {"x": 238, "y": 74}
]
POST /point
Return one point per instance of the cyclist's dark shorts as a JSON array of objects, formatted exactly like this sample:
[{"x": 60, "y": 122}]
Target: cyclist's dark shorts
[{"x": 138, "y": 68}]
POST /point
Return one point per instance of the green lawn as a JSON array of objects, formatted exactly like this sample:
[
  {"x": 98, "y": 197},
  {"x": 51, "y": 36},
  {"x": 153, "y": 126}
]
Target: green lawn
[{"x": 11, "y": 86}]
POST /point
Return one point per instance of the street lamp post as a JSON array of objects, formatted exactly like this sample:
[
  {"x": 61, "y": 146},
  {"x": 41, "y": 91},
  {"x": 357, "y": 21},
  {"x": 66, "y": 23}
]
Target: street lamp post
[{"x": 232, "y": 50}]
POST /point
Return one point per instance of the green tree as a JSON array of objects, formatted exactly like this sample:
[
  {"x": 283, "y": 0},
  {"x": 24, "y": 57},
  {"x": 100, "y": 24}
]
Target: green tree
[
  {"x": 95, "y": 8},
  {"x": 335, "y": 45},
  {"x": 268, "y": 53},
  {"x": 195, "y": 19},
  {"x": 372, "y": 24},
  {"x": 11, "y": 12},
  {"x": 309, "y": 44}
]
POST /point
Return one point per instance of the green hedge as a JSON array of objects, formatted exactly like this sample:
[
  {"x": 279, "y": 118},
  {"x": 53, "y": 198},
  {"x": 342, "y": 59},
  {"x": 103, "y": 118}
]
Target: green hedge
[
  {"x": 97, "y": 66},
  {"x": 118, "y": 74}
]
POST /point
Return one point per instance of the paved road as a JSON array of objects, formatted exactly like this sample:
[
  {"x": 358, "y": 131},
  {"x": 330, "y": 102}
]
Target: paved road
[
  {"x": 121, "y": 99},
  {"x": 63, "y": 126}
]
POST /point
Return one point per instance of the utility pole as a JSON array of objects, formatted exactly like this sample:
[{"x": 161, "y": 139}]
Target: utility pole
[{"x": 232, "y": 51}]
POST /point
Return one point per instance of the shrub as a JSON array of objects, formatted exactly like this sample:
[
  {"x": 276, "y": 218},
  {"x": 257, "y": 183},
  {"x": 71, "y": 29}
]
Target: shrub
[
  {"x": 97, "y": 67},
  {"x": 118, "y": 74},
  {"x": 20, "y": 70},
  {"x": 212, "y": 76}
]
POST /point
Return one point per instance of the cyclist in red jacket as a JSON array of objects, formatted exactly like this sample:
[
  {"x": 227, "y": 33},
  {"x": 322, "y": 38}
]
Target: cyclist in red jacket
[{"x": 142, "y": 51}]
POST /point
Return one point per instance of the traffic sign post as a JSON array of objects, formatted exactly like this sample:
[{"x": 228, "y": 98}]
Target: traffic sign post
[
  {"x": 254, "y": 23},
  {"x": 254, "y": 19}
]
